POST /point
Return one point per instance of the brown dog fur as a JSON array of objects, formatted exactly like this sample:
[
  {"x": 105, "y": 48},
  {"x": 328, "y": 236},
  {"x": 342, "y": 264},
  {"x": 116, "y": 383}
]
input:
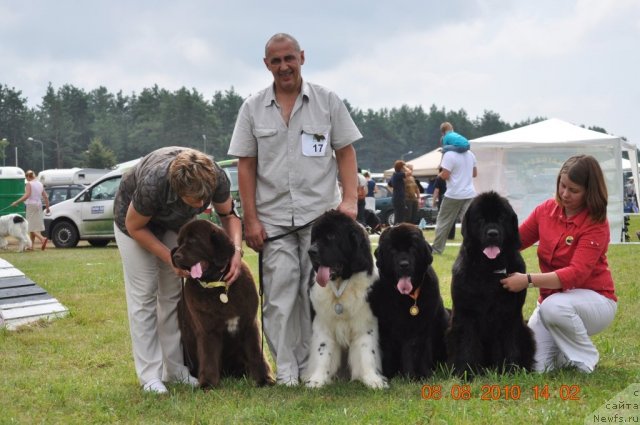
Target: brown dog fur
[{"x": 218, "y": 339}]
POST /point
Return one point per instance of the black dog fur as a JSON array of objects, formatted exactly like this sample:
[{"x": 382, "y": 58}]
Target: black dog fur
[
  {"x": 412, "y": 346},
  {"x": 218, "y": 339},
  {"x": 487, "y": 327}
]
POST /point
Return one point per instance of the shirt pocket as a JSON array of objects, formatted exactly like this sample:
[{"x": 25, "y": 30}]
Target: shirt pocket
[
  {"x": 269, "y": 149},
  {"x": 261, "y": 133},
  {"x": 315, "y": 140}
]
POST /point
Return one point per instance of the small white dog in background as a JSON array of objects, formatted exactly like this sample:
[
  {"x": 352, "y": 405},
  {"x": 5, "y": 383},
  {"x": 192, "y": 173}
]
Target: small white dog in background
[{"x": 14, "y": 225}]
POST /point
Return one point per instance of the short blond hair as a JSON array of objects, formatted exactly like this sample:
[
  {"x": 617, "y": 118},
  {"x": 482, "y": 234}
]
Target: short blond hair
[
  {"x": 445, "y": 127},
  {"x": 192, "y": 173}
]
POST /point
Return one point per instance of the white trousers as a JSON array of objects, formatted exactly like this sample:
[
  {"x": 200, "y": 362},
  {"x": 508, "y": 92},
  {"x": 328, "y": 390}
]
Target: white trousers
[
  {"x": 287, "y": 272},
  {"x": 562, "y": 325},
  {"x": 153, "y": 291}
]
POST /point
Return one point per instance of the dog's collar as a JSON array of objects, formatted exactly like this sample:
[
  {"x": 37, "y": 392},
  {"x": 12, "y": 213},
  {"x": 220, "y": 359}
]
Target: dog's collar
[
  {"x": 500, "y": 271},
  {"x": 218, "y": 283},
  {"x": 215, "y": 284},
  {"x": 338, "y": 291},
  {"x": 415, "y": 294}
]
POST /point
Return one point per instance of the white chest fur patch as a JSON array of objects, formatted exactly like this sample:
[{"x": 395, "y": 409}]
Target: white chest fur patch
[{"x": 233, "y": 325}]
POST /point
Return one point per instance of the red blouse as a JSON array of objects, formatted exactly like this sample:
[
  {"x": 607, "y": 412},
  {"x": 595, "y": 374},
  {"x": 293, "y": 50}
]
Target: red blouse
[{"x": 575, "y": 248}]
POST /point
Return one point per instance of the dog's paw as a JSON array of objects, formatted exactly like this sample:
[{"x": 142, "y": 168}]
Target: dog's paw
[
  {"x": 375, "y": 382},
  {"x": 316, "y": 383},
  {"x": 267, "y": 381}
]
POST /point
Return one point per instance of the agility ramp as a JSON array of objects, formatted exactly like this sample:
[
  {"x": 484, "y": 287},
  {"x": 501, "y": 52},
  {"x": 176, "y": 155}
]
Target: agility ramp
[{"x": 22, "y": 301}]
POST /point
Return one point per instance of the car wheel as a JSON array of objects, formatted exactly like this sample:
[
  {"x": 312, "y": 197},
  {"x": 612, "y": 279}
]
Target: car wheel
[
  {"x": 391, "y": 218},
  {"x": 99, "y": 242},
  {"x": 64, "y": 235}
]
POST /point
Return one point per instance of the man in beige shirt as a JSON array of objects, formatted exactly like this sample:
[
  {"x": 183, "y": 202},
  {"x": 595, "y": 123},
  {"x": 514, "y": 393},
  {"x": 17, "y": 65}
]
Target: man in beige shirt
[{"x": 292, "y": 139}]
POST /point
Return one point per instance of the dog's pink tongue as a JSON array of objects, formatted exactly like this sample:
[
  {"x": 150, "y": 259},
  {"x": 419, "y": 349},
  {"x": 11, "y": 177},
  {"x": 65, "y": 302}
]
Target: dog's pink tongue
[
  {"x": 196, "y": 271},
  {"x": 323, "y": 275},
  {"x": 404, "y": 285},
  {"x": 491, "y": 252}
]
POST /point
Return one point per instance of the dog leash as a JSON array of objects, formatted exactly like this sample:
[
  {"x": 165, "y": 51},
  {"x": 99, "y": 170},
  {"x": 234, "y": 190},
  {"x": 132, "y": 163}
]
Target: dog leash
[
  {"x": 6, "y": 208},
  {"x": 260, "y": 274}
]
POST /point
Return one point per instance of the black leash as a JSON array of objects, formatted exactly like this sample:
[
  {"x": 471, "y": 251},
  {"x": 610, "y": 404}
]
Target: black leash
[{"x": 260, "y": 274}]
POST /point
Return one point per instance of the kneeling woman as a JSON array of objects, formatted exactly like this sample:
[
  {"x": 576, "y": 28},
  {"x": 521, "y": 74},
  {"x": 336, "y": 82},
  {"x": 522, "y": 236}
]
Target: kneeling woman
[{"x": 577, "y": 297}]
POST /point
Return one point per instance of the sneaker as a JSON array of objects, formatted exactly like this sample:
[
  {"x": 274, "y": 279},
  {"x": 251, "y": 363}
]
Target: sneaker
[
  {"x": 189, "y": 380},
  {"x": 155, "y": 386},
  {"x": 581, "y": 367}
]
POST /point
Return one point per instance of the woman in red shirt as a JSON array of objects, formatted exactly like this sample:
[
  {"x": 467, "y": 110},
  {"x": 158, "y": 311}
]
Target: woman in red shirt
[{"x": 577, "y": 297}]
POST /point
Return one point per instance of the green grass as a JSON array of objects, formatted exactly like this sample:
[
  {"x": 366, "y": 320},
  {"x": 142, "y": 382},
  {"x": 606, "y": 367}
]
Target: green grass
[{"x": 79, "y": 369}]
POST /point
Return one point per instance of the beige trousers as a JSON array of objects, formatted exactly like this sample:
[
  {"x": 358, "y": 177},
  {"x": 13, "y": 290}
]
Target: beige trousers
[{"x": 287, "y": 274}]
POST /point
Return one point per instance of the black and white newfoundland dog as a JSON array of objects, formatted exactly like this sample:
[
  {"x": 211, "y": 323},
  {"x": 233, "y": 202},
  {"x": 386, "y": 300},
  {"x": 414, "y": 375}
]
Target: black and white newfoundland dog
[
  {"x": 218, "y": 322},
  {"x": 406, "y": 300},
  {"x": 343, "y": 324},
  {"x": 487, "y": 328},
  {"x": 14, "y": 225}
]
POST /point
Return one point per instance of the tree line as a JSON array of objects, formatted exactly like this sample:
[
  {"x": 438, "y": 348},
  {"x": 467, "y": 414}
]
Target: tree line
[{"x": 71, "y": 127}]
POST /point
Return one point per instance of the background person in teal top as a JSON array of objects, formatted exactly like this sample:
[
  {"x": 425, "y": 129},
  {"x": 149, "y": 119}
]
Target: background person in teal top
[{"x": 452, "y": 141}]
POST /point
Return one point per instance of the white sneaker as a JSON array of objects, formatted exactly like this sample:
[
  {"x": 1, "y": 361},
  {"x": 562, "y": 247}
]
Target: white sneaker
[
  {"x": 581, "y": 367},
  {"x": 155, "y": 386},
  {"x": 186, "y": 380},
  {"x": 190, "y": 380}
]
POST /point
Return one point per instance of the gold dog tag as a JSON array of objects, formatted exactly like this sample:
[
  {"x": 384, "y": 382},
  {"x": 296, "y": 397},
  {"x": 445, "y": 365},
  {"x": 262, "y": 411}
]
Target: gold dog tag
[
  {"x": 224, "y": 298},
  {"x": 414, "y": 310}
]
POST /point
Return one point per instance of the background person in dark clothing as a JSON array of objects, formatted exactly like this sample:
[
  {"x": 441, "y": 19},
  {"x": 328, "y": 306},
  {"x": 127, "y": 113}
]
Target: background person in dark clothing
[
  {"x": 397, "y": 184},
  {"x": 412, "y": 195},
  {"x": 439, "y": 188}
]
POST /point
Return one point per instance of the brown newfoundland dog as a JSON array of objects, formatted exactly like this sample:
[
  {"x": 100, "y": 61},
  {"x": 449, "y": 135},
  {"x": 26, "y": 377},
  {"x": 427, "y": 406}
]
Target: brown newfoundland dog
[
  {"x": 487, "y": 328},
  {"x": 218, "y": 322}
]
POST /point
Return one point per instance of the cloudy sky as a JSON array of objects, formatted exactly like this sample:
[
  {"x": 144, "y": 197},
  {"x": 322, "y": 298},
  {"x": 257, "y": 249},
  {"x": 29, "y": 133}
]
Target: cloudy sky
[{"x": 577, "y": 60}]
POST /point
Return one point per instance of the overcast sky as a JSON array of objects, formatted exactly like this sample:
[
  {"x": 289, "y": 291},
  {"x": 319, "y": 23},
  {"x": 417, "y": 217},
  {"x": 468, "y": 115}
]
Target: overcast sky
[{"x": 576, "y": 60}]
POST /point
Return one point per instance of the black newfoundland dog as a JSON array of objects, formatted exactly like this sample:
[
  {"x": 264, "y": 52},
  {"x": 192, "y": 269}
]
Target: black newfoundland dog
[
  {"x": 487, "y": 328},
  {"x": 220, "y": 334},
  {"x": 406, "y": 300},
  {"x": 343, "y": 324}
]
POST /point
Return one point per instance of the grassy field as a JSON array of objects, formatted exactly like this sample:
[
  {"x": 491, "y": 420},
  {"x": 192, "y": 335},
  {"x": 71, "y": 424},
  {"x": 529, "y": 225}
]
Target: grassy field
[{"x": 79, "y": 369}]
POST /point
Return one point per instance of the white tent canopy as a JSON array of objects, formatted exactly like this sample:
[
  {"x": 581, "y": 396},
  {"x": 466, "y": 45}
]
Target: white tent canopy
[
  {"x": 523, "y": 164},
  {"x": 423, "y": 166}
]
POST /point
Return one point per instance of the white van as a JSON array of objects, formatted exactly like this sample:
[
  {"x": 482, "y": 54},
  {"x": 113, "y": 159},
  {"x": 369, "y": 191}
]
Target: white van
[{"x": 88, "y": 216}]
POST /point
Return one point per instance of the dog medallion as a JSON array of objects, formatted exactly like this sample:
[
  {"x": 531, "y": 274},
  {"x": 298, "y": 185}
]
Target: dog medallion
[
  {"x": 414, "y": 310},
  {"x": 224, "y": 298},
  {"x": 338, "y": 308}
]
